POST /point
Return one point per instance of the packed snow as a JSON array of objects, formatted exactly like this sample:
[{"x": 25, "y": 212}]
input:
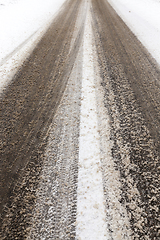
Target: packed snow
[{"x": 143, "y": 18}]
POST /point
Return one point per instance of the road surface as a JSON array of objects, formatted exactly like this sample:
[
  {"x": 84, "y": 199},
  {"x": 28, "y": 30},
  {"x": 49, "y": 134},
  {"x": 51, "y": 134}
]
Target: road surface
[{"x": 80, "y": 131}]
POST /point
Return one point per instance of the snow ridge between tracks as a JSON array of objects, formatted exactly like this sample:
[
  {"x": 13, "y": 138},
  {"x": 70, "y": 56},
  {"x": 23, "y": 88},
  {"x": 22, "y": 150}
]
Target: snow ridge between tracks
[{"x": 91, "y": 222}]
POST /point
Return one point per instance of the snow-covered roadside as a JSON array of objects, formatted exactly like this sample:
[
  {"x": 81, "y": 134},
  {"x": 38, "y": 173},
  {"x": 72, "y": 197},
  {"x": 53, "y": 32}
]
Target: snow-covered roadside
[
  {"x": 143, "y": 18},
  {"x": 22, "y": 23}
]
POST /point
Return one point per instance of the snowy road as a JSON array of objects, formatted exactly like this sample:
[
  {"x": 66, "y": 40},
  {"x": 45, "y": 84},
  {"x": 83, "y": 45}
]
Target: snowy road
[{"x": 81, "y": 133}]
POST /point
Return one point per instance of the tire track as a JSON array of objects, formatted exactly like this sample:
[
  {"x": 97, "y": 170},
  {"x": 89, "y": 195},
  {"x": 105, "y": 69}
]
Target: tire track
[
  {"x": 54, "y": 216},
  {"x": 40, "y": 131},
  {"x": 28, "y": 106},
  {"x": 130, "y": 79}
]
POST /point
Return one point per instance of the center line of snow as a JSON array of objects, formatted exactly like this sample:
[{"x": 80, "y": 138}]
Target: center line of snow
[{"x": 91, "y": 222}]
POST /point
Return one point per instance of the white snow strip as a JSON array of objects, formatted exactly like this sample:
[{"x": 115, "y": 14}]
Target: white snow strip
[
  {"x": 143, "y": 18},
  {"x": 91, "y": 218}
]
